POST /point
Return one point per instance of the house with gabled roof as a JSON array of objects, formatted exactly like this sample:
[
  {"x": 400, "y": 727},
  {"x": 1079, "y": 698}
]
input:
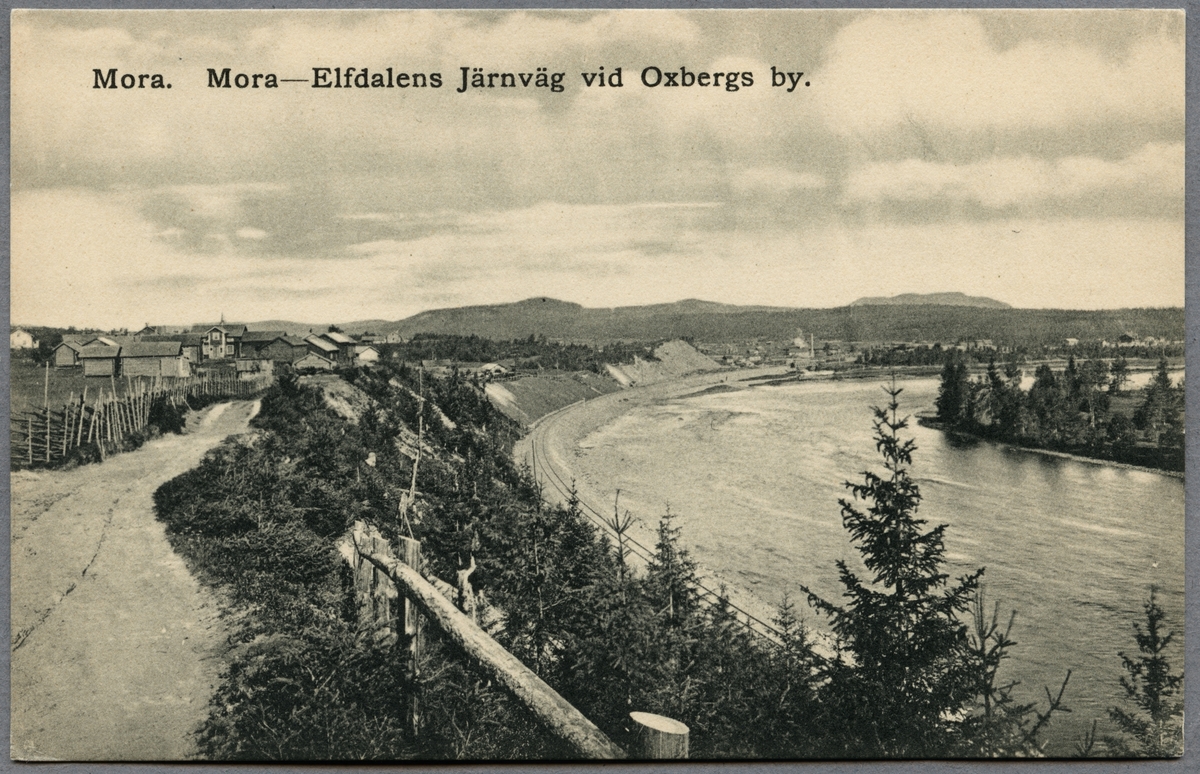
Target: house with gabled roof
[
  {"x": 99, "y": 359},
  {"x": 66, "y": 354},
  {"x": 319, "y": 345},
  {"x": 21, "y": 339},
  {"x": 344, "y": 343},
  {"x": 222, "y": 341},
  {"x": 154, "y": 358}
]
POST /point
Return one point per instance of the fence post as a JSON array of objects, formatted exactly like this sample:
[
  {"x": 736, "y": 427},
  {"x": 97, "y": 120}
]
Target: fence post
[
  {"x": 29, "y": 425},
  {"x": 410, "y": 619},
  {"x": 659, "y": 737}
]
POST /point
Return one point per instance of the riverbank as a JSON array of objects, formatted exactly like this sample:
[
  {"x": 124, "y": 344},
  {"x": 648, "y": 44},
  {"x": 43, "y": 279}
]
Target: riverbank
[
  {"x": 553, "y": 442},
  {"x": 936, "y": 425}
]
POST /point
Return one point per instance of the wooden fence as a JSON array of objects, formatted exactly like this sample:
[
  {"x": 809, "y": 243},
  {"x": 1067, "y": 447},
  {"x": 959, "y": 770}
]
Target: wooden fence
[
  {"x": 46, "y": 437},
  {"x": 393, "y": 596}
]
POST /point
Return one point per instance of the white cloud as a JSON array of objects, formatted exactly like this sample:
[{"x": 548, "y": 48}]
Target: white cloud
[
  {"x": 776, "y": 180},
  {"x": 248, "y": 232},
  {"x": 1155, "y": 169},
  {"x": 938, "y": 69}
]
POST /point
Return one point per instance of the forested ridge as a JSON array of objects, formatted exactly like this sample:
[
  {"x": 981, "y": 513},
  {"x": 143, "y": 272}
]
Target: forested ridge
[{"x": 259, "y": 519}]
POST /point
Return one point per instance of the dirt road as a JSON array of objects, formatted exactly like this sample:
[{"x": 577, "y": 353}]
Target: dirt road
[{"x": 116, "y": 648}]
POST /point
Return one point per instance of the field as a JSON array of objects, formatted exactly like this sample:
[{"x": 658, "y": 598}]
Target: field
[{"x": 27, "y": 385}]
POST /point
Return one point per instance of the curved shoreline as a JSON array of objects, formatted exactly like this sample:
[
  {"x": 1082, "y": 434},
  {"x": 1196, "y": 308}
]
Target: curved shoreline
[
  {"x": 934, "y": 425},
  {"x": 555, "y": 438}
]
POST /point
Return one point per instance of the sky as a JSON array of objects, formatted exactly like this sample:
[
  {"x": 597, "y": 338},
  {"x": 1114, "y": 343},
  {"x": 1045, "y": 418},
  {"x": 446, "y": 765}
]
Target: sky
[{"x": 1035, "y": 157}]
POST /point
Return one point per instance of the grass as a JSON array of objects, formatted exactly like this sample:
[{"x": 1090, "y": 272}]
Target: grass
[{"x": 27, "y": 386}]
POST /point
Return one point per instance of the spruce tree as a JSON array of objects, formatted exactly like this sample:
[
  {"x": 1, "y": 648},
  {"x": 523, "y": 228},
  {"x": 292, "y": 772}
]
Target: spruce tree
[
  {"x": 904, "y": 676},
  {"x": 1155, "y": 729}
]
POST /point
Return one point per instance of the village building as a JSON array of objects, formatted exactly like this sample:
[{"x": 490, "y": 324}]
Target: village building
[
  {"x": 365, "y": 355},
  {"x": 222, "y": 341},
  {"x": 191, "y": 343},
  {"x": 344, "y": 343},
  {"x": 254, "y": 342},
  {"x": 394, "y": 338},
  {"x": 20, "y": 339},
  {"x": 493, "y": 369},
  {"x": 313, "y": 362},
  {"x": 99, "y": 359},
  {"x": 66, "y": 354},
  {"x": 322, "y": 347},
  {"x": 250, "y": 368},
  {"x": 283, "y": 349},
  {"x": 154, "y": 358}
]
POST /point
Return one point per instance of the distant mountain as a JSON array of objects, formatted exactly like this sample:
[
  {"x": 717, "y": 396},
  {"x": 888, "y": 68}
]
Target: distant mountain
[
  {"x": 932, "y": 299},
  {"x": 704, "y": 321}
]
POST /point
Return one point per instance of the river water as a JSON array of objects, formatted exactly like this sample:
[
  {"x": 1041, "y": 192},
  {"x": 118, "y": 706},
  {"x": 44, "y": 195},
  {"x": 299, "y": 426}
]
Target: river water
[{"x": 754, "y": 477}]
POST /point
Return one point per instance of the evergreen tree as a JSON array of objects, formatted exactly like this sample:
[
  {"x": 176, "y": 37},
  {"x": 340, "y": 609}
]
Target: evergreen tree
[
  {"x": 1120, "y": 375},
  {"x": 953, "y": 392},
  {"x": 905, "y": 670},
  {"x": 1155, "y": 729}
]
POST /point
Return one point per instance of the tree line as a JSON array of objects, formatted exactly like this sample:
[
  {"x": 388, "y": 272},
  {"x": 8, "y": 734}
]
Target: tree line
[
  {"x": 1083, "y": 409},
  {"x": 533, "y": 352},
  {"x": 912, "y": 669}
]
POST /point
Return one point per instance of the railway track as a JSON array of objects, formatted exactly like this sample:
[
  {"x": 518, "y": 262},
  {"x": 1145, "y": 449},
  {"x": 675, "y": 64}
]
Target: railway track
[{"x": 548, "y": 476}]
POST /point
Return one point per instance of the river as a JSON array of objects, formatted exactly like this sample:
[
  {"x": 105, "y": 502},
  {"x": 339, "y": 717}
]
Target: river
[{"x": 754, "y": 477}]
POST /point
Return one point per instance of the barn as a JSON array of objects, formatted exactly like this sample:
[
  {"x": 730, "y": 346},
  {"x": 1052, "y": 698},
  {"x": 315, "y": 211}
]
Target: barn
[
  {"x": 254, "y": 342},
  {"x": 154, "y": 358},
  {"x": 100, "y": 360},
  {"x": 313, "y": 362},
  {"x": 284, "y": 349},
  {"x": 66, "y": 354},
  {"x": 344, "y": 344},
  {"x": 320, "y": 346}
]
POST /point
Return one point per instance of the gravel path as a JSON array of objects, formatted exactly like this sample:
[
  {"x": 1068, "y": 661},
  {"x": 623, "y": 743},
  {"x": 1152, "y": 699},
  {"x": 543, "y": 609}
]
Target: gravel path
[{"x": 116, "y": 648}]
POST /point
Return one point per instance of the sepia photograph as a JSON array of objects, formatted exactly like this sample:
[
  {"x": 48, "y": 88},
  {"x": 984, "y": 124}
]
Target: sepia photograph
[{"x": 579, "y": 385}]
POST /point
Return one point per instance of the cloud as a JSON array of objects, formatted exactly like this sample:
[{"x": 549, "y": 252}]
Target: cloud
[
  {"x": 939, "y": 69},
  {"x": 1156, "y": 170},
  {"x": 774, "y": 180},
  {"x": 251, "y": 233}
]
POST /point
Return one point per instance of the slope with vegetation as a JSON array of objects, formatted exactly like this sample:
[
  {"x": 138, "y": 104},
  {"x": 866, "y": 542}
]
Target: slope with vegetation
[{"x": 261, "y": 515}]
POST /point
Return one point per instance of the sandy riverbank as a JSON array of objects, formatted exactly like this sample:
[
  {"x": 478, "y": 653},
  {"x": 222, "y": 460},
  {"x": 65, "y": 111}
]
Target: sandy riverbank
[{"x": 554, "y": 444}]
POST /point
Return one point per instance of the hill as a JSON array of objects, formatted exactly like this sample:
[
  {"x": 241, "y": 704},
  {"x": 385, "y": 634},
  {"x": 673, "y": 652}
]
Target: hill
[
  {"x": 932, "y": 299},
  {"x": 707, "y": 322}
]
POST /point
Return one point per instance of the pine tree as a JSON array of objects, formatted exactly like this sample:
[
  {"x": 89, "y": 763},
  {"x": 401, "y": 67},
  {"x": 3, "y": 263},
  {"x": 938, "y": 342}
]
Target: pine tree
[{"x": 905, "y": 673}]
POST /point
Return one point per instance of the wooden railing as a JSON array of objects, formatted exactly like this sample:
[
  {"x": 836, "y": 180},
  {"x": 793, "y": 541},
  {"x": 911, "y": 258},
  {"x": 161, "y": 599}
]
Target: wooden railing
[
  {"x": 383, "y": 580},
  {"x": 45, "y": 437}
]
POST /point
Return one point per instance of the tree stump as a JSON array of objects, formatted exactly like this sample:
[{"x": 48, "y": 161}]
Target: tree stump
[{"x": 658, "y": 737}]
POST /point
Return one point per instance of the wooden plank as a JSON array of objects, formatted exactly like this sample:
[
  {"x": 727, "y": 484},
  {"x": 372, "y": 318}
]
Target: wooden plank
[
  {"x": 410, "y": 625},
  {"x": 559, "y": 716}
]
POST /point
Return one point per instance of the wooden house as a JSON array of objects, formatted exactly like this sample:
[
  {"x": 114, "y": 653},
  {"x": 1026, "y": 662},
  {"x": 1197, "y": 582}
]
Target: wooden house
[
  {"x": 365, "y": 355},
  {"x": 249, "y": 368},
  {"x": 323, "y": 347},
  {"x": 154, "y": 358},
  {"x": 100, "y": 359},
  {"x": 222, "y": 341},
  {"x": 344, "y": 344},
  {"x": 284, "y": 349},
  {"x": 254, "y": 342},
  {"x": 66, "y": 354},
  {"x": 313, "y": 362},
  {"x": 20, "y": 339}
]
